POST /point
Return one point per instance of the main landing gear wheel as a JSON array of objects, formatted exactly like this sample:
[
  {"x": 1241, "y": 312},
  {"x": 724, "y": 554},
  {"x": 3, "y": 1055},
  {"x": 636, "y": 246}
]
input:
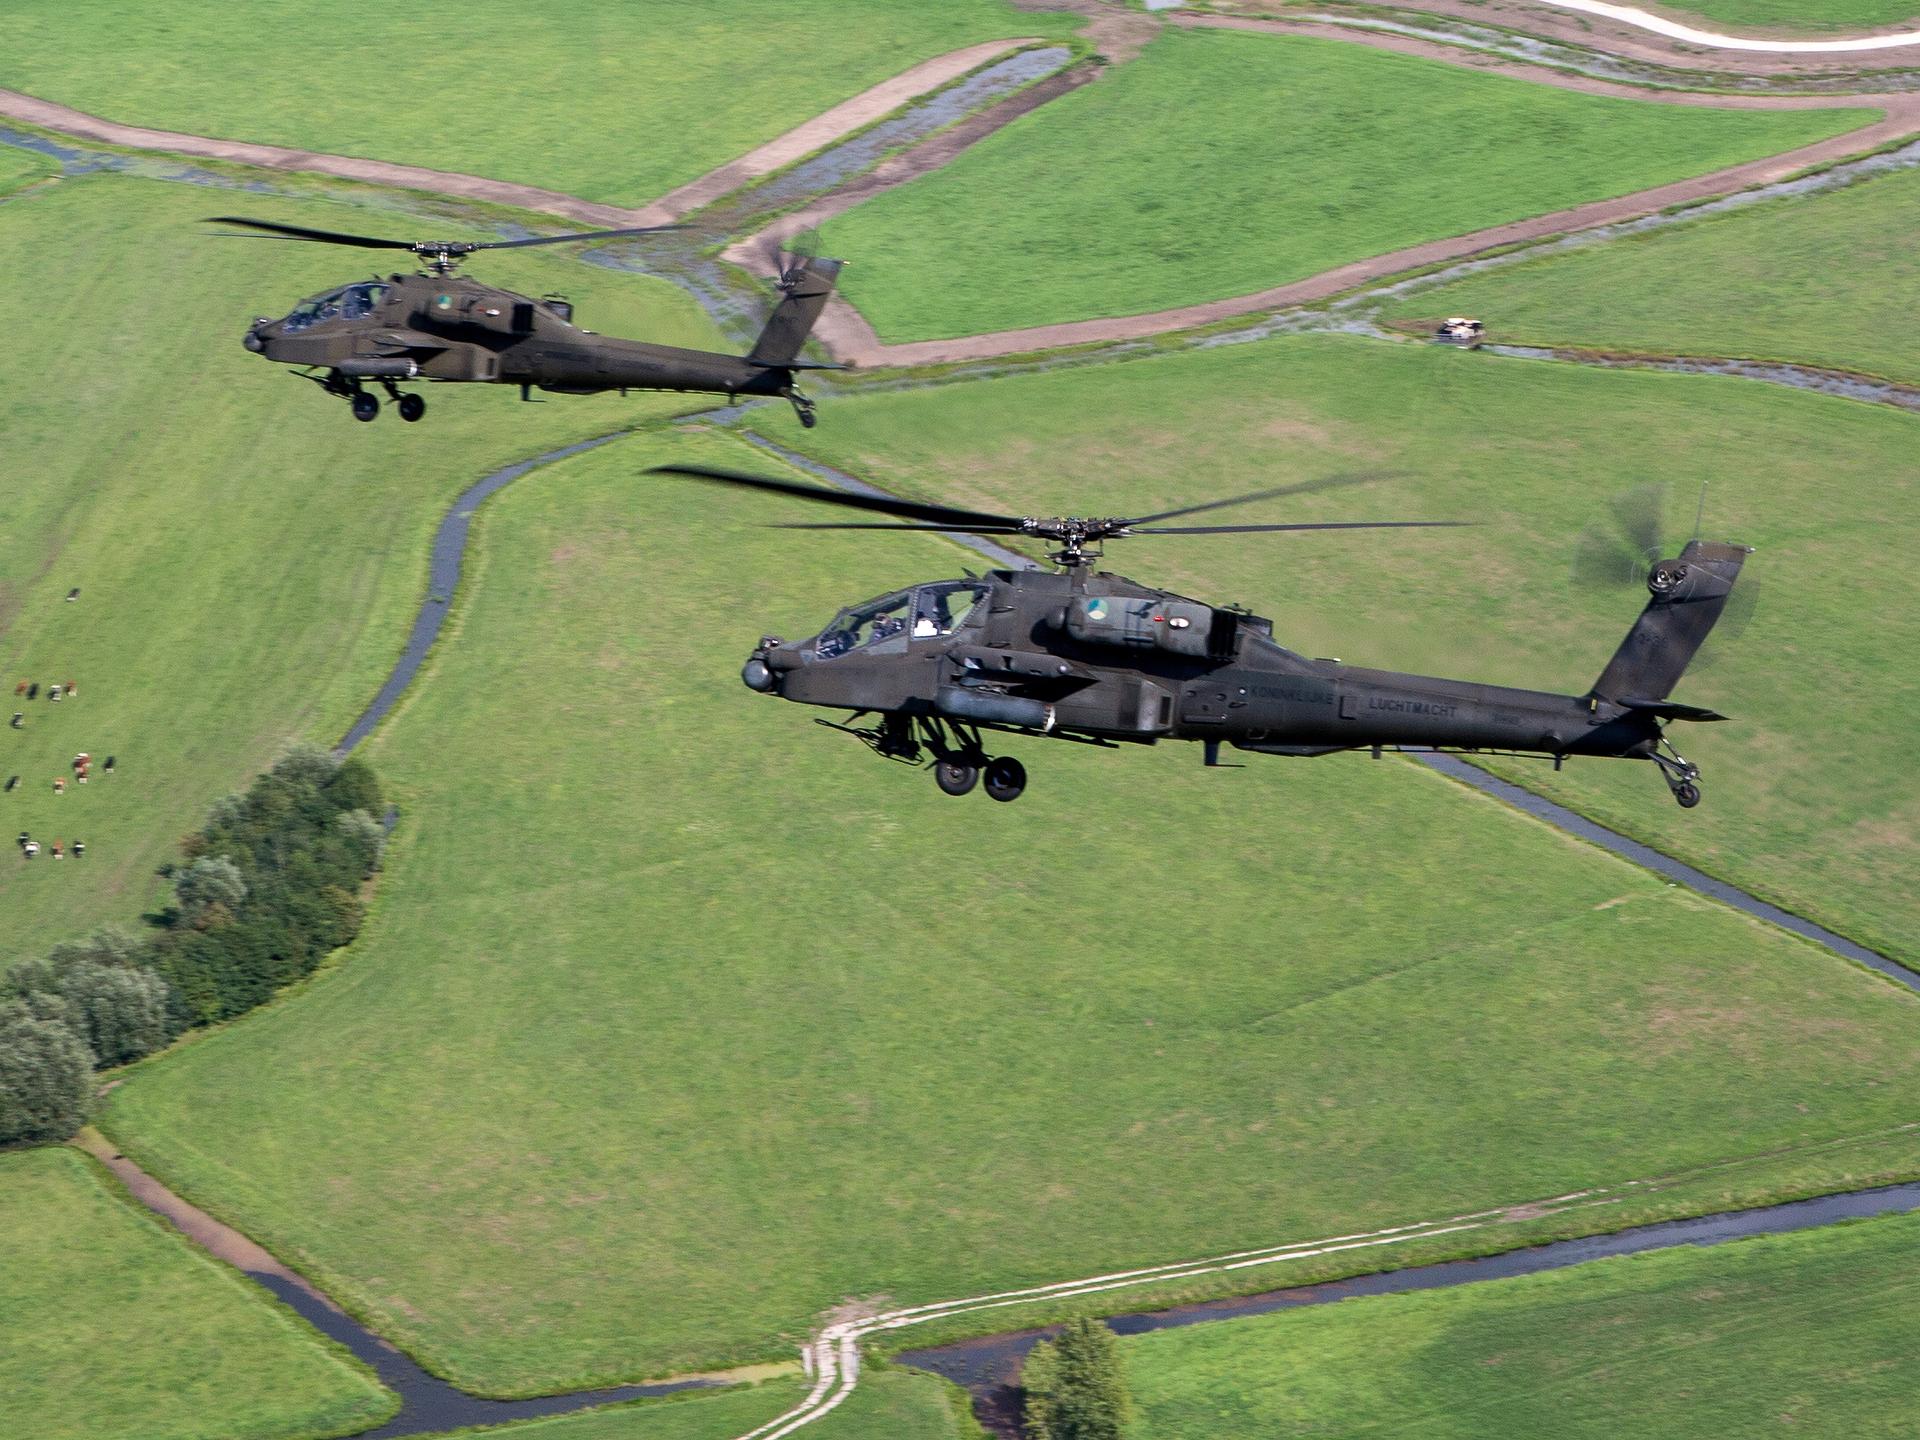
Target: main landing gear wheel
[
  {"x": 1006, "y": 778},
  {"x": 412, "y": 407},
  {"x": 365, "y": 406},
  {"x": 1687, "y": 793},
  {"x": 956, "y": 777}
]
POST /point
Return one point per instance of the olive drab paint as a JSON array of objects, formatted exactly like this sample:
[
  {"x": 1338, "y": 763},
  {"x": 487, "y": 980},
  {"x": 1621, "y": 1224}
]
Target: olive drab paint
[
  {"x": 440, "y": 326},
  {"x": 1088, "y": 656}
]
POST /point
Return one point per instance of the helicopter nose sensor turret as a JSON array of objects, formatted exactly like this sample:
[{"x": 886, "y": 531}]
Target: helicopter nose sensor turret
[{"x": 756, "y": 676}]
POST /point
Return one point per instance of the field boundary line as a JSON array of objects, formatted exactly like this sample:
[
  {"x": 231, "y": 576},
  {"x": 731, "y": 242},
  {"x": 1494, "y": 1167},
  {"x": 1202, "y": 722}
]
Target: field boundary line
[
  {"x": 842, "y": 120},
  {"x": 833, "y": 1356},
  {"x": 1674, "y": 30},
  {"x": 852, "y": 339}
]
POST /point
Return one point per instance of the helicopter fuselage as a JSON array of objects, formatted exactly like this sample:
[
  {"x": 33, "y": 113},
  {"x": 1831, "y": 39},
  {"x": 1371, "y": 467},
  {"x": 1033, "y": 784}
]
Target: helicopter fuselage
[
  {"x": 1098, "y": 658},
  {"x": 446, "y": 327},
  {"x": 449, "y": 328}
]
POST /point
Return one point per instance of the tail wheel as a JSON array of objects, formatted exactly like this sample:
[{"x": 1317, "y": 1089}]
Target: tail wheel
[
  {"x": 365, "y": 406},
  {"x": 956, "y": 777},
  {"x": 1006, "y": 778},
  {"x": 412, "y": 407},
  {"x": 1687, "y": 794}
]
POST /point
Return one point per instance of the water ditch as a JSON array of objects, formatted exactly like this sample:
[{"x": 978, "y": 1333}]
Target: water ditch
[{"x": 988, "y": 1368}]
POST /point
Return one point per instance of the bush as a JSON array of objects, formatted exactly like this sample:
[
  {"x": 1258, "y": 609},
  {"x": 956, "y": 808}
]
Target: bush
[
  {"x": 271, "y": 885},
  {"x": 1075, "y": 1388},
  {"x": 95, "y": 987},
  {"x": 46, "y": 1076}
]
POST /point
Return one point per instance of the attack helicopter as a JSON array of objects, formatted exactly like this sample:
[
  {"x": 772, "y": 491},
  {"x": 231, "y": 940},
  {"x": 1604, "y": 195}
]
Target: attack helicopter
[
  {"x": 437, "y": 325},
  {"x": 1082, "y": 655}
]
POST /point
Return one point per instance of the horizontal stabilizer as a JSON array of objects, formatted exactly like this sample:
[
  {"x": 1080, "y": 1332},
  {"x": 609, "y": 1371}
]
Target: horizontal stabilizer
[
  {"x": 1670, "y": 709},
  {"x": 794, "y": 364}
]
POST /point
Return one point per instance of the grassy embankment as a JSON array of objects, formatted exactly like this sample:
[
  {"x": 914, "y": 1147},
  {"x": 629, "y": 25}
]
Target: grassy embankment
[
  {"x": 19, "y": 168},
  {"x": 1220, "y": 164},
  {"x": 1816, "y": 280},
  {"x": 248, "y": 557},
  {"x": 117, "y": 1329},
  {"x": 681, "y": 1020},
  {"x": 617, "y": 102},
  {"x": 1810, "y": 798},
  {"x": 1805, "y": 1335}
]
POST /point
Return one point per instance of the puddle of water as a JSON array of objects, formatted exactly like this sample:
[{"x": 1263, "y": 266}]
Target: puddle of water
[
  {"x": 988, "y": 1368},
  {"x": 837, "y": 164},
  {"x": 1798, "y": 377}
]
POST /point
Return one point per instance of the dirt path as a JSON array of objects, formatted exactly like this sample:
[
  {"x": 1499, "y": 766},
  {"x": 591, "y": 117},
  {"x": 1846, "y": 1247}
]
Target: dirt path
[
  {"x": 1878, "y": 40},
  {"x": 1607, "y": 36},
  {"x": 842, "y": 119},
  {"x": 851, "y": 339},
  {"x": 223, "y": 1242}
]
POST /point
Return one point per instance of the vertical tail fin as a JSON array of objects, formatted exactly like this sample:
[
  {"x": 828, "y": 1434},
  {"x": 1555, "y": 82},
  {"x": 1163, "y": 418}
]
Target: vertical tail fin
[
  {"x": 806, "y": 287},
  {"x": 1688, "y": 595}
]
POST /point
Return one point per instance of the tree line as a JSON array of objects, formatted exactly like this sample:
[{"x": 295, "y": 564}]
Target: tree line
[{"x": 265, "y": 889}]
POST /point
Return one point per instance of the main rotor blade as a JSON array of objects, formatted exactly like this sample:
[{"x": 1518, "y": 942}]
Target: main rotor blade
[
  {"x": 1302, "y": 487},
  {"x": 1311, "y": 525},
  {"x": 885, "y": 504},
  {"x": 898, "y": 525},
  {"x": 322, "y": 237},
  {"x": 582, "y": 235}
]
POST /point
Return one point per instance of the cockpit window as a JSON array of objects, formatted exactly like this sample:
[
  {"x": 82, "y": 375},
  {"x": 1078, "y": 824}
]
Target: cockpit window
[
  {"x": 862, "y": 625},
  {"x": 352, "y": 303},
  {"x": 942, "y": 609},
  {"x": 918, "y": 614}
]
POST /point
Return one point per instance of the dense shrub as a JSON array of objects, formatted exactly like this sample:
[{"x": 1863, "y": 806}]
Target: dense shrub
[
  {"x": 46, "y": 1075},
  {"x": 1075, "y": 1388},
  {"x": 271, "y": 883},
  {"x": 120, "y": 1009}
]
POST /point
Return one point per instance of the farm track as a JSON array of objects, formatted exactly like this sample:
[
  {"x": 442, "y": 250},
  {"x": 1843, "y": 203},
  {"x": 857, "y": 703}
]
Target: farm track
[
  {"x": 1621, "y": 39},
  {"x": 802, "y": 140},
  {"x": 833, "y": 1356},
  {"x": 852, "y": 339}
]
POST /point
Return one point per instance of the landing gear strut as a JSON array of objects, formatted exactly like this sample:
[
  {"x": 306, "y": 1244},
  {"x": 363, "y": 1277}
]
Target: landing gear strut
[
  {"x": 802, "y": 406},
  {"x": 1681, "y": 774},
  {"x": 960, "y": 760},
  {"x": 411, "y": 407}
]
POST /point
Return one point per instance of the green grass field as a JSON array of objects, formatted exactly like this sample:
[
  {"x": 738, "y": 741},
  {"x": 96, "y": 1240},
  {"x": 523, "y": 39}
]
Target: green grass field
[
  {"x": 1804, "y": 1335},
  {"x": 615, "y": 102},
  {"x": 1222, "y": 163},
  {"x": 248, "y": 557},
  {"x": 680, "y": 1020},
  {"x": 117, "y": 1329},
  {"x": 22, "y": 167},
  {"x": 888, "y": 1405},
  {"x": 1807, "y": 280},
  {"x": 1809, "y": 801}
]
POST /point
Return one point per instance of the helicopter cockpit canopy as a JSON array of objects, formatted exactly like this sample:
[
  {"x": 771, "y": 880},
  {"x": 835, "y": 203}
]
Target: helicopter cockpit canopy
[
  {"x": 354, "y": 302},
  {"x": 928, "y": 611}
]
